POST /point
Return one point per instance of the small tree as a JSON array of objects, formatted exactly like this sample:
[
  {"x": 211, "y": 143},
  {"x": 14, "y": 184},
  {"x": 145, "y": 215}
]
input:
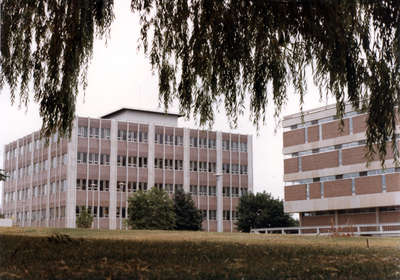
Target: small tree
[
  {"x": 188, "y": 217},
  {"x": 84, "y": 219},
  {"x": 261, "y": 210},
  {"x": 151, "y": 210}
]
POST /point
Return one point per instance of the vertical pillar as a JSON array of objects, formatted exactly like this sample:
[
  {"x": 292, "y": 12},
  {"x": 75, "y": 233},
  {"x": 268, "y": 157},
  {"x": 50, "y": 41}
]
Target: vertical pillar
[
  {"x": 113, "y": 175},
  {"x": 219, "y": 182},
  {"x": 250, "y": 162},
  {"x": 186, "y": 158},
  {"x": 150, "y": 161},
  {"x": 70, "y": 214}
]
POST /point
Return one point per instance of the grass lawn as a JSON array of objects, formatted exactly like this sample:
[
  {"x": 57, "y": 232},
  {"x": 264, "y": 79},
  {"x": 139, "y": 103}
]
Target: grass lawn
[{"x": 39, "y": 253}]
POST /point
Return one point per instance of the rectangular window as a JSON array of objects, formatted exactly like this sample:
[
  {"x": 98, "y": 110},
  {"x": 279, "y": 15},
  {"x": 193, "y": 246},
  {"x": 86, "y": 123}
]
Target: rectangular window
[
  {"x": 132, "y": 136},
  {"x": 212, "y": 191},
  {"x": 226, "y": 191},
  {"x": 93, "y": 158},
  {"x": 235, "y": 168},
  {"x": 203, "y": 190},
  {"x": 193, "y": 141},
  {"x": 178, "y": 164},
  {"x": 104, "y": 159},
  {"x": 226, "y": 215},
  {"x": 235, "y": 192},
  {"x": 121, "y": 160},
  {"x": 234, "y": 146},
  {"x": 193, "y": 190},
  {"x": 226, "y": 168},
  {"x": 81, "y": 158},
  {"x": 169, "y": 139},
  {"x": 212, "y": 214},
  {"x": 225, "y": 145},
  {"x": 143, "y": 137},
  {"x": 212, "y": 167},
  {"x": 105, "y": 133},
  {"x": 178, "y": 140},
  {"x": 121, "y": 135},
  {"x": 193, "y": 165},
  {"x": 158, "y": 138},
  {"x": 82, "y": 131},
  {"x": 212, "y": 144},
  {"x": 94, "y": 132},
  {"x": 132, "y": 161}
]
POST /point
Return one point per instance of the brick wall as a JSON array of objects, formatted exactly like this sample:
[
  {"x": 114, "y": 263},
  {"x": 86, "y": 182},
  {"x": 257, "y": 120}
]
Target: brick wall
[
  {"x": 315, "y": 190},
  {"x": 354, "y": 219},
  {"x": 313, "y": 133},
  {"x": 297, "y": 192},
  {"x": 393, "y": 182},
  {"x": 389, "y": 217},
  {"x": 293, "y": 137},
  {"x": 320, "y": 161},
  {"x": 332, "y": 129},
  {"x": 291, "y": 165},
  {"x": 353, "y": 155},
  {"x": 359, "y": 124},
  {"x": 366, "y": 185},
  {"x": 337, "y": 188},
  {"x": 317, "y": 220}
]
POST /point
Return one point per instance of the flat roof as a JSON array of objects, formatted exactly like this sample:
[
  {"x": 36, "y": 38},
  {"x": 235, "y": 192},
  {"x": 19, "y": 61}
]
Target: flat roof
[{"x": 109, "y": 115}]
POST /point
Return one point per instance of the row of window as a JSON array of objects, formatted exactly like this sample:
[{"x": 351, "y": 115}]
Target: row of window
[
  {"x": 234, "y": 168},
  {"x": 169, "y": 188},
  {"x": 203, "y": 143},
  {"x": 100, "y": 211},
  {"x": 234, "y": 146},
  {"x": 352, "y": 211},
  {"x": 176, "y": 140},
  {"x": 212, "y": 191},
  {"x": 321, "y": 121},
  {"x": 39, "y": 215},
  {"x": 132, "y": 136},
  {"x": 203, "y": 166},
  {"x": 41, "y": 190},
  {"x": 27, "y": 148},
  {"x": 103, "y": 212},
  {"x": 132, "y": 161},
  {"x": 327, "y": 149},
  {"x": 352, "y": 175},
  {"x": 94, "y": 132},
  {"x": 37, "y": 167},
  {"x": 168, "y": 164}
]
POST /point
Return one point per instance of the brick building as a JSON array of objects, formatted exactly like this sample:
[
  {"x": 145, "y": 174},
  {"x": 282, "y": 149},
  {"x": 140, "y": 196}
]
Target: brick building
[
  {"x": 109, "y": 158},
  {"x": 326, "y": 178}
]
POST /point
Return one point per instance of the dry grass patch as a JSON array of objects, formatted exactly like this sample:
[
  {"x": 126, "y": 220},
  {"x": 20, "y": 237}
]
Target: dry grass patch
[{"x": 38, "y": 253}]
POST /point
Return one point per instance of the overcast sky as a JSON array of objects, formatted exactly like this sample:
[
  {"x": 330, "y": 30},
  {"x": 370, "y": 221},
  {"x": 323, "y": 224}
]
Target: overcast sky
[{"x": 120, "y": 76}]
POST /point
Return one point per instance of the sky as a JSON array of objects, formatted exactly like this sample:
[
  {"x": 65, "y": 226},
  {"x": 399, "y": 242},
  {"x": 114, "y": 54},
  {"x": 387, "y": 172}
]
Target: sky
[{"x": 121, "y": 76}]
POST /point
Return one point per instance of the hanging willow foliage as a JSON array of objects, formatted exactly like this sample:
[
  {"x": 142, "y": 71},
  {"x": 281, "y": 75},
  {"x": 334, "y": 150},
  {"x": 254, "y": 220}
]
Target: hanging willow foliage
[
  {"x": 204, "y": 50},
  {"x": 208, "y": 51},
  {"x": 47, "y": 45}
]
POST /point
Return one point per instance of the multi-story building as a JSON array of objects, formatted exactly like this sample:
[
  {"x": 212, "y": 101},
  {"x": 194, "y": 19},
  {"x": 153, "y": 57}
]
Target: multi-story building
[
  {"x": 110, "y": 158},
  {"x": 327, "y": 180}
]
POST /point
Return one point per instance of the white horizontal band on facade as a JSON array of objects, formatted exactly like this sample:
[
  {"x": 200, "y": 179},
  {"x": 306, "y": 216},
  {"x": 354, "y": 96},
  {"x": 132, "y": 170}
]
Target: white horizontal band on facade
[{"x": 343, "y": 202}]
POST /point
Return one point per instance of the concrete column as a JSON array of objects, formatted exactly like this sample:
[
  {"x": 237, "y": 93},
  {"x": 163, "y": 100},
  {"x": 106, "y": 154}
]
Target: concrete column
[
  {"x": 150, "y": 161},
  {"x": 219, "y": 183},
  {"x": 70, "y": 214},
  {"x": 48, "y": 181},
  {"x": 186, "y": 158},
  {"x": 113, "y": 175},
  {"x": 250, "y": 162}
]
